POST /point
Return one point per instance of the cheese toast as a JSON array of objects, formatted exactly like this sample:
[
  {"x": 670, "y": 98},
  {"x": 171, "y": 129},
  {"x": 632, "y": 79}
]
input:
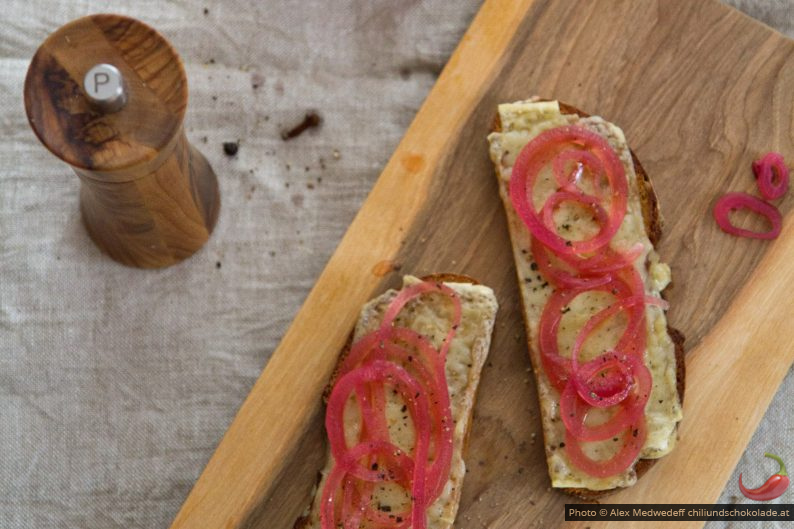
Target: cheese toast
[
  {"x": 515, "y": 126},
  {"x": 430, "y": 317}
]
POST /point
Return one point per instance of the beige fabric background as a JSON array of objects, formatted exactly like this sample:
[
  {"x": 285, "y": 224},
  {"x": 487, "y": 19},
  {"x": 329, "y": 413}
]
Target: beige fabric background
[{"x": 117, "y": 384}]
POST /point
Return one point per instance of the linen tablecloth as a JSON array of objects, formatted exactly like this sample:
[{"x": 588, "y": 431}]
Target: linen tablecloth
[{"x": 116, "y": 384}]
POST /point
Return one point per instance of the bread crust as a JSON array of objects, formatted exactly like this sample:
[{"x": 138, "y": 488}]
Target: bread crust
[
  {"x": 653, "y": 226},
  {"x": 444, "y": 277}
]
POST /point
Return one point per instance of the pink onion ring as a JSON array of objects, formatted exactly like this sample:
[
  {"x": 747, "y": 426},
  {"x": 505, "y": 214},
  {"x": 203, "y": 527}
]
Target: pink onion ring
[
  {"x": 765, "y": 169},
  {"x": 574, "y": 411},
  {"x": 540, "y": 152},
  {"x": 630, "y": 342},
  {"x": 583, "y": 160},
  {"x": 407, "y": 294},
  {"x": 409, "y": 364},
  {"x": 633, "y": 439},
  {"x": 561, "y": 274},
  {"x": 733, "y": 201},
  {"x": 616, "y": 380},
  {"x": 557, "y": 367}
]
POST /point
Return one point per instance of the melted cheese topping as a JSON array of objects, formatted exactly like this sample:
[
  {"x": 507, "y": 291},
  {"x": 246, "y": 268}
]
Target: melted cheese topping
[
  {"x": 467, "y": 353},
  {"x": 521, "y": 122}
]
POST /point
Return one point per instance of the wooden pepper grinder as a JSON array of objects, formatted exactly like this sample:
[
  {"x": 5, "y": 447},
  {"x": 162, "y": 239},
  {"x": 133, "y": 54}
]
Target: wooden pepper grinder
[{"x": 107, "y": 95}]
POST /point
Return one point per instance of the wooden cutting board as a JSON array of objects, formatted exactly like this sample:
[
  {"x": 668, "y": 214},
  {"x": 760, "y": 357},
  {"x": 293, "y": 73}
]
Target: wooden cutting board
[{"x": 700, "y": 90}]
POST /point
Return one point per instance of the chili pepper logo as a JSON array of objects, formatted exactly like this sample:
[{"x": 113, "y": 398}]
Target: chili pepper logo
[{"x": 774, "y": 487}]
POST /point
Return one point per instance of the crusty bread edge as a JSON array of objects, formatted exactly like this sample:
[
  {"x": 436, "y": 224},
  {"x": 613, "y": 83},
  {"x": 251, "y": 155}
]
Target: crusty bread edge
[
  {"x": 445, "y": 277},
  {"x": 653, "y": 227}
]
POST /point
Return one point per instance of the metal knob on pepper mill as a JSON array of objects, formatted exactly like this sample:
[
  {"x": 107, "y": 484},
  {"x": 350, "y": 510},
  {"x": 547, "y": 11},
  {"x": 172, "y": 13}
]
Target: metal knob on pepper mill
[{"x": 107, "y": 95}]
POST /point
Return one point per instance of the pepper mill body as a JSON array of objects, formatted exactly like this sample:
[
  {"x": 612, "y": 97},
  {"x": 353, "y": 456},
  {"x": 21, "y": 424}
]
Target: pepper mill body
[{"x": 107, "y": 95}]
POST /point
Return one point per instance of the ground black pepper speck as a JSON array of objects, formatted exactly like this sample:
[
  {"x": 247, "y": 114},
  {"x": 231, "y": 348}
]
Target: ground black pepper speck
[{"x": 230, "y": 148}]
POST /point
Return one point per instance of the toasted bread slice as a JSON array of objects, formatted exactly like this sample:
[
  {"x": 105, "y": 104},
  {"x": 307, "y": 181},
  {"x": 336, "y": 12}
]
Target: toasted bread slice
[
  {"x": 466, "y": 357},
  {"x": 671, "y": 377}
]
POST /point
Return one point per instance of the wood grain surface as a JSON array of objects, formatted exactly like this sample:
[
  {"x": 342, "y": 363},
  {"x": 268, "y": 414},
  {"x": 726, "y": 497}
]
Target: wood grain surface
[
  {"x": 700, "y": 91},
  {"x": 148, "y": 198},
  {"x": 158, "y": 219}
]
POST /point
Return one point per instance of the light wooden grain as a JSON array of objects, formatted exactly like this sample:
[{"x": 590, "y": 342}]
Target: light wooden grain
[{"x": 700, "y": 91}]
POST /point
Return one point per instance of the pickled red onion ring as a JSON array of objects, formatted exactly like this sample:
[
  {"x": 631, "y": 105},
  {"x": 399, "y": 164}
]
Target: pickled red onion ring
[
  {"x": 627, "y": 389},
  {"x": 576, "y": 272},
  {"x": 588, "y": 201},
  {"x": 632, "y": 342},
  {"x": 766, "y": 169},
  {"x": 428, "y": 369},
  {"x": 584, "y": 160},
  {"x": 409, "y": 293},
  {"x": 378, "y": 371},
  {"x": 573, "y": 410},
  {"x": 610, "y": 260},
  {"x": 734, "y": 201},
  {"x": 618, "y": 379},
  {"x": 557, "y": 367},
  {"x": 633, "y": 439},
  {"x": 561, "y": 277},
  {"x": 540, "y": 152},
  {"x": 615, "y": 378},
  {"x": 342, "y": 472},
  {"x": 411, "y": 393},
  {"x": 410, "y": 365},
  {"x": 351, "y": 507}
]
